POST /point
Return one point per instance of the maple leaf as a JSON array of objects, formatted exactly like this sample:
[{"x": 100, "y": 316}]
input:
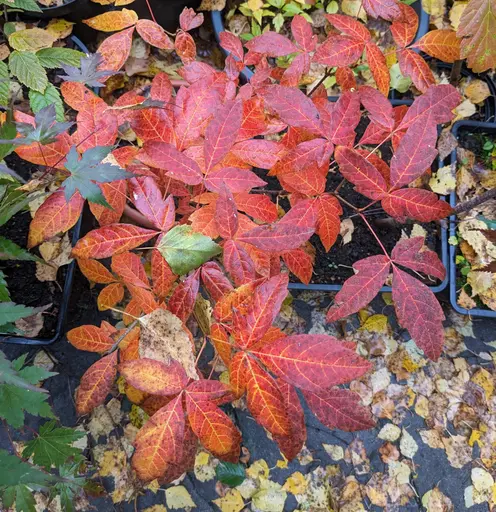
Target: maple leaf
[
  {"x": 476, "y": 30},
  {"x": 45, "y": 128},
  {"x": 87, "y": 171},
  {"x": 88, "y": 72}
]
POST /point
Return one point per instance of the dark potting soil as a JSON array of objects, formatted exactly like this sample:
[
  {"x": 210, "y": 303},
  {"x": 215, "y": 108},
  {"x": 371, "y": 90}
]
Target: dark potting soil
[{"x": 24, "y": 286}]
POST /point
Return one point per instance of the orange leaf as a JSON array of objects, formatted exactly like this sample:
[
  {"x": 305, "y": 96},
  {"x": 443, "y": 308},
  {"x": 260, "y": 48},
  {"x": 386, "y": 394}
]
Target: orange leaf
[
  {"x": 109, "y": 240},
  {"x": 94, "y": 271},
  {"x": 96, "y": 383},
  {"x": 215, "y": 280},
  {"x": 210, "y": 390},
  {"x": 110, "y": 296},
  {"x": 185, "y": 47},
  {"x": 160, "y": 441},
  {"x": 112, "y": 21},
  {"x": 440, "y": 44},
  {"x": 143, "y": 298},
  {"x": 115, "y": 50},
  {"x": 115, "y": 194},
  {"x": 238, "y": 298},
  {"x": 162, "y": 275},
  {"x": 54, "y": 216},
  {"x": 129, "y": 268},
  {"x": 132, "y": 311},
  {"x": 291, "y": 445},
  {"x": 300, "y": 263},
  {"x": 238, "y": 374},
  {"x": 154, "y": 377},
  {"x": 267, "y": 301},
  {"x": 76, "y": 94},
  {"x": 129, "y": 346},
  {"x": 265, "y": 401},
  {"x": 214, "y": 428},
  {"x": 220, "y": 341},
  {"x": 90, "y": 338},
  {"x": 96, "y": 125},
  {"x": 404, "y": 28},
  {"x": 328, "y": 222},
  {"x": 154, "y": 34},
  {"x": 378, "y": 67},
  {"x": 414, "y": 66},
  {"x": 49, "y": 155}
]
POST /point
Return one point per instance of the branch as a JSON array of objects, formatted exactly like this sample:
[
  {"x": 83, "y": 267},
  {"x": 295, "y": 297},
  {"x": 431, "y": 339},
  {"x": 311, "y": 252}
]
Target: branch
[{"x": 466, "y": 206}]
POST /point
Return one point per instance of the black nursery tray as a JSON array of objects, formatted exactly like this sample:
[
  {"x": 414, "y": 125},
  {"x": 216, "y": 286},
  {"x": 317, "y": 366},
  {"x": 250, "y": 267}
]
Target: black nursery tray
[{"x": 472, "y": 127}]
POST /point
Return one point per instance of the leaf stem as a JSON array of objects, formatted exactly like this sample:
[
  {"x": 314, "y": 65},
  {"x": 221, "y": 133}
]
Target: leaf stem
[
  {"x": 374, "y": 233},
  {"x": 327, "y": 74},
  {"x": 129, "y": 328}
]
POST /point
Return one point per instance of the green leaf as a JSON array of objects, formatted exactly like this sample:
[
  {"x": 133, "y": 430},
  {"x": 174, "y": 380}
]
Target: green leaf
[
  {"x": 89, "y": 170},
  {"x": 25, "y": 5},
  {"x": 278, "y": 22},
  {"x": 16, "y": 472},
  {"x": 488, "y": 145},
  {"x": 51, "y": 96},
  {"x": 24, "y": 499},
  {"x": 185, "y": 249},
  {"x": 52, "y": 446},
  {"x": 4, "y": 84},
  {"x": 28, "y": 70},
  {"x": 4, "y": 291},
  {"x": 13, "y": 202},
  {"x": 8, "y": 131},
  {"x": 230, "y": 474},
  {"x": 10, "y": 312},
  {"x": 11, "y": 251},
  {"x": 9, "y": 28},
  {"x": 398, "y": 81},
  {"x": 53, "y": 58}
]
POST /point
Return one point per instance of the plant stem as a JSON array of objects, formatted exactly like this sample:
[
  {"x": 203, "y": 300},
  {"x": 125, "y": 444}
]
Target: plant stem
[
  {"x": 374, "y": 233},
  {"x": 129, "y": 328},
  {"x": 327, "y": 74},
  {"x": 472, "y": 203},
  {"x": 456, "y": 72}
]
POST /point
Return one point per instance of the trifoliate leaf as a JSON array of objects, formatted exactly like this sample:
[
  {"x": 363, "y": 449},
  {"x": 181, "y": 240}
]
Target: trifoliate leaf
[
  {"x": 51, "y": 96},
  {"x": 53, "y": 58},
  {"x": 88, "y": 74},
  {"x": 89, "y": 170},
  {"x": 52, "y": 446},
  {"x": 184, "y": 249},
  {"x": 26, "y": 67}
]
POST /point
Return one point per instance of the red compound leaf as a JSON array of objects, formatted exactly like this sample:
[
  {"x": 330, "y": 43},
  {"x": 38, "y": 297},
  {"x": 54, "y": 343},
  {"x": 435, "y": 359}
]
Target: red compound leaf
[
  {"x": 94, "y": 271},
  {"x": 340, "y": 409},
  {"x": 90, "y": 338},
  {"x": 379, "y": 107},
  {"x": 238, "y": 263},
  {"x": 185, "y": 47},
  {"x": 360, "y": 289},
  {"x": 415, "y": 67},
  {"x": 300, "y": 263},
  {"x": 232, "y": 44},
  {"x": 226, "y": 214},
  {"x": 328, "y": 222},
  {"x": 148, "y": 199},
  {"x": 220, "y": 340},
  {"x": 312, "y": 361},
  {"x": 258, "y": 152},
  {"x": 440, "y": 44},
  {"x": 411, "y": 253},
  {"x": 214, "y": 428},
  {"x": 222, "y": 132},
  {"x": 415, "y": 203},
  {"x": 418, "y": 311},
  {"x": 271, "y": 44},
  {"x": 345, "y": 118},
  {"x": 339, "y": 51},
  {"x": 109, "y": 240},
  {"x": 293, "y": 107},
  {"x": 236, "y": 180},
  {"x": 378, "y": 67},
  {"x": 162, "y": 275},
  {"x": 215, "y": 281},
  {"x": 415, "y": 153},
  {"x": 96, "y": 384},
  {"x": 386, "y": 9},
  {"x": 115, "y": 51},
  {"x": 258, "y": 206},
  {"x": 361, "y": 172},
  {"x": 278, "y": 237},
  {"x": 115, "y": 195},
  {"x": 303, "y": 33},
  {"x": 110, "y": 296},
  {"x": 154, "y": 34},
  {"x": 189, "y": 19},
  {"x": 129, "y": 268},
  {"x": 265, "y": 401},
  {"x": 349, "y": 26},
  {"x": 183, "y": 298},
  {"x": 155, "y": 377},
  {"x": 404, "y": 28}
]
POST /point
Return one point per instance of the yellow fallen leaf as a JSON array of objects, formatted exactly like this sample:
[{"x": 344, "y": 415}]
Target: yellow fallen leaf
[
  {"x": 258, "y": 469},
  {"x": 485, "y": 380},
  {"x": 204, "y": 466},
  {"x": 434, "y": 7},
  {"x": 480, "y": 282},
  {"x": 477, "y": 91},
  {"x": 475, "y": 438},
  {"x": 59, "y": 28},
  {"x": 376, "y": 323},
  {"x": 282, "y": 463},
  {"x": 155, "y": 508},
  {"x": 270, "y": 498},
  {"x": 178, "y": 497},
  {"x": 456, "y": 12},
  {"x": 231, "y": 502},
  {"x": 296, "y": 483},
  {"x": 443, "y": 181},
  {"x": 31, "y": 39}
]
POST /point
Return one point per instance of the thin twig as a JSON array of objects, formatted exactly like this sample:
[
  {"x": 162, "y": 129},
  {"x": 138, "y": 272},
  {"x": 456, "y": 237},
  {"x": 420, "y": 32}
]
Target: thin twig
[{"x": 476, "y": 201}]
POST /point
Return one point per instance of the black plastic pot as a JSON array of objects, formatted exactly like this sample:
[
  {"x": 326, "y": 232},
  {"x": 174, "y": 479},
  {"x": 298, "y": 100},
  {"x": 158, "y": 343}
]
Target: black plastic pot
[
  {"x": 247, "y": 73},
  {"x": 473, "y": 127},
  {"x": 69, "y": 277},
  {"x": 72, "y": 10},
  {"x": 444, "y": 247}
]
